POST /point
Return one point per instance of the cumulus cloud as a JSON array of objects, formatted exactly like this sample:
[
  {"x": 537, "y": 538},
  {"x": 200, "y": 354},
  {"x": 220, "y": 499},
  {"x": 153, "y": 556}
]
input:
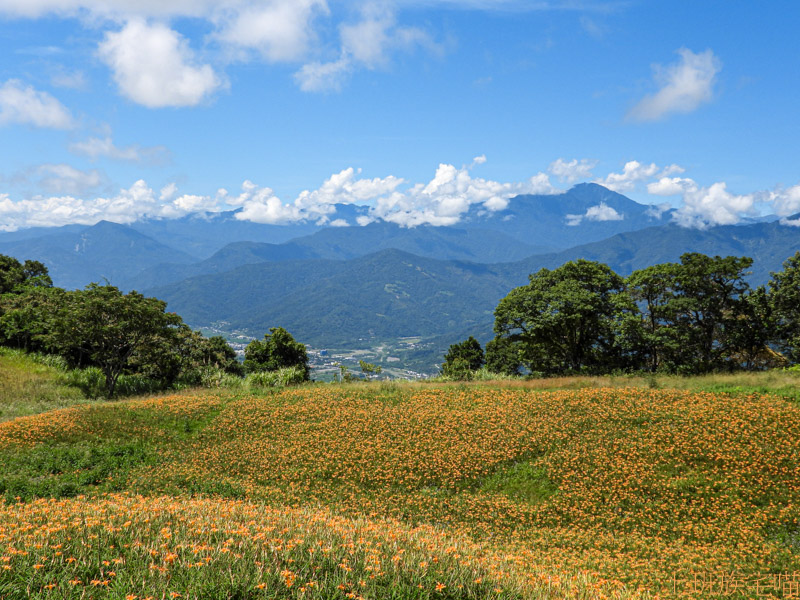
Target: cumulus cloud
[
  {"x": 713, "y": 205},
  {"x": 20, "y": 103},
  {"x": 104, "y": 147},
  {"x": 599, "y": 212},
  {"x": 684, "y": 86},
  {"x": 573, "y": 170},
  {"x": 126, "y": 207},
  {"x": 261, "y": 205},
  {"x": 785, "y": 202},
  {"x": 154, "y": 66},
  {"x": 450, "y": 194},
  {"x": 670, "y": 186},
  {"x": 345, "y": 188},
  {"x": 634, "y": 173}
]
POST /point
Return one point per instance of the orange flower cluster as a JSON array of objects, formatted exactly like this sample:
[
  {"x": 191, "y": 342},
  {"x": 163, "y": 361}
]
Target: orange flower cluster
[{"x": 117, "y": 546}]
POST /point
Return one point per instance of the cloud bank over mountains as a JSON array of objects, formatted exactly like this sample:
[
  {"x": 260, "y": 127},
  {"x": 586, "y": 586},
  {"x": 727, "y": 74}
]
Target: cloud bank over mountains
[{"x": 442, "y": 201}]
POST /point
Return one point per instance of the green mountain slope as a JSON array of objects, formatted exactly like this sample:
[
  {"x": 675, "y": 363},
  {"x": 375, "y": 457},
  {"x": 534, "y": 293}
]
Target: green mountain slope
[
  {"x": 385, "y": 295},
  {"x": 345, "y": 243}
]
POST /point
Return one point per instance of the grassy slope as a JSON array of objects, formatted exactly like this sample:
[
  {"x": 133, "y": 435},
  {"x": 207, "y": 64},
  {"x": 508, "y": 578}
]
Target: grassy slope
[
  {"x": 634, "y": 484},
  {"x": 28, "y": 387}
]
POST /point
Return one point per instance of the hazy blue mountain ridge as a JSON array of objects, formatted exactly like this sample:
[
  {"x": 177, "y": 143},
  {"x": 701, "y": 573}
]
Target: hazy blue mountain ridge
[{"x": 102, "y": 252}]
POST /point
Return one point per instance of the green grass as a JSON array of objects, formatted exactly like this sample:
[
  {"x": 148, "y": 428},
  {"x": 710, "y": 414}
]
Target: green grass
[
  {"x": 784, "y": 383},
  {"x": 525, "y": 481},
  {"x": 28, "y": 387}
]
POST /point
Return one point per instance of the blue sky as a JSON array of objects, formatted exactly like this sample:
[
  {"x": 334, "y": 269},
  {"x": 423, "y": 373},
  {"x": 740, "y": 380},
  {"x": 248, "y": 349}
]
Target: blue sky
[{"x": 124, "y": 109}]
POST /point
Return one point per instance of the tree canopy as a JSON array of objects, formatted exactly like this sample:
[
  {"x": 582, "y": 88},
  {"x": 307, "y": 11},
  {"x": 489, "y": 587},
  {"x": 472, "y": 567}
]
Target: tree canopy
[
  {"x": 564, "y": 319},
  {"x": 694, "y": 316},
  {"x": 278, "y": 350}
]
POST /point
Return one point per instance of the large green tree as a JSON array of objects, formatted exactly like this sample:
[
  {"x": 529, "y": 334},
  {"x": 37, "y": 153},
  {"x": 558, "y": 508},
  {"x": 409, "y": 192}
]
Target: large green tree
[
  {"x": 784, "y": 292},
  {"x": 278, "y": 350},
  {"x": 104, "y": 327},
  {"x": 565, "y": 319},
  {"x": 645, "y": 333},
  {"x": 705, "y": 310},
  {"x": 696, "y": 316}
]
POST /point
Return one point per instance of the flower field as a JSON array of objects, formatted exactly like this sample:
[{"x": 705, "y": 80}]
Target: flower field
[{"x": 580, "y": 493}]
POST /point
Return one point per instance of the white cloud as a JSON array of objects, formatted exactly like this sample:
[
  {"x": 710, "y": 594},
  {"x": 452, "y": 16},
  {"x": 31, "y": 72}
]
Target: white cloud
[
  {"x": 23, "y": 104},
  {"x": 345, "y": 188},
  {"x": 685, "y": 85},
  {"x": 713, "y": 205},
  {"x": 168, "y": 192},
  {"x": 603, "y": 212},
  {"x": 261, "y": 205},
  {"x": 364, "y": 220},
  {"x": 280, "y": 30},
  {"x": 786, "y": 202},
  {"x": 366, "y": 43},
  {"x": 599, "y": 212},
  {"x": 339, "y": 223},
  {"x": 573, "y": 170},
  {"x": 154, "y": 66},
  {"x": 670, "y": 186},
  {"x": 655, "y": 211},
  {"x": 65, "y": 179},
  {"x": 126, "y": 207},
  {"x": 187, "y": 204},
  {"x": 450, "y": 194},
  {"x": 370, "y": 40},
  {"x": 104, "y": 147},
  {"x": 323, "y": 77},
  {"x": 633, "y": 173}
]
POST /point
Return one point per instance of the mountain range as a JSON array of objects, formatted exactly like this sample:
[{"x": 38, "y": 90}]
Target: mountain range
[{"x": 357, "y": 286}]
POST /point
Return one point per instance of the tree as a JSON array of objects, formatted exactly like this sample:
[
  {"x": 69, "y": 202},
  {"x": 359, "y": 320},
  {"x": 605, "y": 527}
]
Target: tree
[
  {"x": 463, "y": 358},
  {"x": 278, "y": 350},
  {"x": 106, "y": 328},
  {"x": 369, "y": 369},
  {"x": 645, "y": 333},
  {"x": 705, "y": 309},
  {"x": 564, "y": 319},
  {"x": 14, "y": 275},
  {"x": 28, "y": 302},
  {"x": 755, "y": 330},
  {"x": 27, "y": 319},
  {"x": 784, "y": 293},
  {"x": 504, "y": 356}
]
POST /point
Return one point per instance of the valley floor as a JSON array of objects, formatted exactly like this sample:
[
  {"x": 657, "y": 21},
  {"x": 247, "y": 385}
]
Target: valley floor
[{"x": 420, "y": 490}]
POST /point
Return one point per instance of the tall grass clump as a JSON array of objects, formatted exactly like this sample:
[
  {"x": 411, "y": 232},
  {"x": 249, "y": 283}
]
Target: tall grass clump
[{"x": 280, "y": 378}]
